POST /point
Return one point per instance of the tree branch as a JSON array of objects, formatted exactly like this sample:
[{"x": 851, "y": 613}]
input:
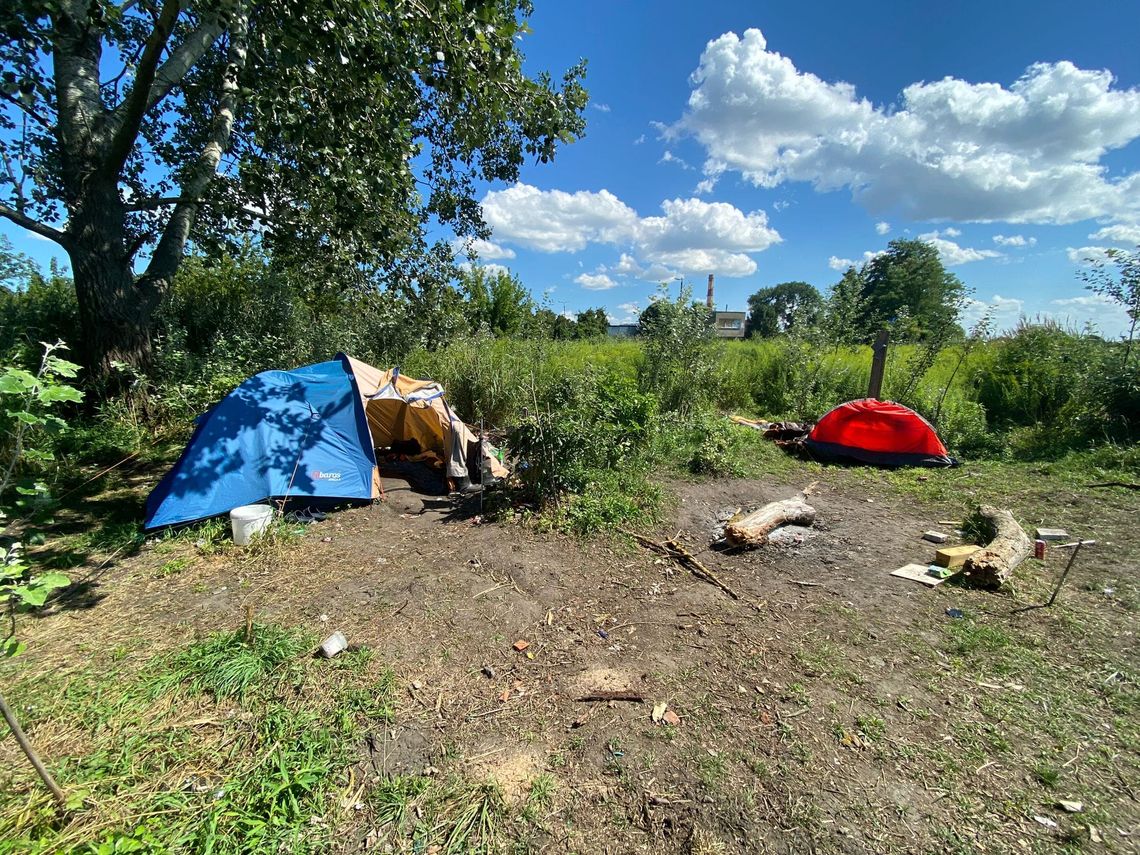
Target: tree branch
[
  {"x": 182, "y": 59},
  {"x": 167, "y": 255},
  {"x": 28, "y": 111},
  {"x": 128, "y": 116},
  {"x": 42, "y": 229}
]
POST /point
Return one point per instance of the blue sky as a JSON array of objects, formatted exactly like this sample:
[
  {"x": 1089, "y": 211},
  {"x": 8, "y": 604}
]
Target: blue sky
[
  {"x": 821, "y": 153},
  {"x": 768, "y": 142}
]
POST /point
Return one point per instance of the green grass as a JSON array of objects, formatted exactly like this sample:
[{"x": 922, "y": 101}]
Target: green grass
[
  {"x": 234, "y": 746},
  {"x": 230, "y": 664}
]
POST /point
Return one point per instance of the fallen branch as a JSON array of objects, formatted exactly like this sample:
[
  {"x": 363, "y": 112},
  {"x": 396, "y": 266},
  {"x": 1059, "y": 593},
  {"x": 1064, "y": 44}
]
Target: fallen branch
[
  {"x": 672, "y": 549},
  {"x": 634, "y": 697},
  {"x": 1123, "y": 484},
  {"x": 1008, "y": 546},
  {"x": 753, "y": 529}
]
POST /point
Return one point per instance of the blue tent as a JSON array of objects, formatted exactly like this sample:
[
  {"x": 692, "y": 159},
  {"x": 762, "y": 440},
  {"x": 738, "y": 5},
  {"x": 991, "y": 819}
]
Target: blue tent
[{"x": 280, "y": 433}]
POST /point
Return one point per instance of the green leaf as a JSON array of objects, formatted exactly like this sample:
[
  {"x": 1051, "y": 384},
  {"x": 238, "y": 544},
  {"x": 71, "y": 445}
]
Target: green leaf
[
  {"x": 29, "y": 596},
  {"x": 12, "y": 647},
  {"x": 16, "y": 381},
  {"x": 51, "y": 394},
  {"x": 51, "y": 581},
  {"x": 62, "y": 367}
]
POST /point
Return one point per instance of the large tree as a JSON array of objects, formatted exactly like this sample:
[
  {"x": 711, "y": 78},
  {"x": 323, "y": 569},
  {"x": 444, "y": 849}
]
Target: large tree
[
  {"x": 783, "y": 308},
  {"x": 908, "y": 288},
  {"x": 334, "y": 129}
]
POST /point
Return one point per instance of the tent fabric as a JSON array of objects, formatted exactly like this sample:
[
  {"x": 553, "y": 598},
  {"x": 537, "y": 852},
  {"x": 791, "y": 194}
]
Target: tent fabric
[
  {"x": 879, "y": 432},
  {"x": 401, "y": 408},
  {"x": 310, "y": 432},
  {"x": 295, "y": 433}
]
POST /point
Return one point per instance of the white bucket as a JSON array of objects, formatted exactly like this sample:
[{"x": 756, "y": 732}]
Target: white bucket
[{"x": 249, "y": 521}]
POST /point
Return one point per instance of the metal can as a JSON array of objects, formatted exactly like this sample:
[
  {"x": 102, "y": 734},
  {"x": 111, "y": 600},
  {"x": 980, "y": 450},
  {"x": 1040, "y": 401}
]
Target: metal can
[{"x": 1039, "y": 549}]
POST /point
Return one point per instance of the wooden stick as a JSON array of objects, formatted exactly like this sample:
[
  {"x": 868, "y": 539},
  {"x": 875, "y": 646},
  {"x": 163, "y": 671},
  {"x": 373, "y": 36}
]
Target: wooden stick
[
  {"x": 683, "y": 557},
  {"x": 635, "y": 697},
  {"x": 30, "y": 752}
]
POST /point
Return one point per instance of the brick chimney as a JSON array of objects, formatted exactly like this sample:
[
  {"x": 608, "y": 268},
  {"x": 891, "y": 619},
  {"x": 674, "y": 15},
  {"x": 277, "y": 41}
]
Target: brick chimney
[{"x": 709, "y": 299}]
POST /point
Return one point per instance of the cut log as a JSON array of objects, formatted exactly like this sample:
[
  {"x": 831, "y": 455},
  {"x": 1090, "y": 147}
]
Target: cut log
[
  {"x": 753, "y": 529},
  {"x": 1008, "y": 545}
]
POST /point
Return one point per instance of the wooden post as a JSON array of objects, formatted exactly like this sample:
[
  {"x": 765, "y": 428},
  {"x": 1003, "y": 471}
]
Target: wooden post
[{"x": 878, "y": 364}]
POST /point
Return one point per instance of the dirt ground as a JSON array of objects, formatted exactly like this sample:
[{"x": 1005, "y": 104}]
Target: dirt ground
[{"x": 833, "y": 708}]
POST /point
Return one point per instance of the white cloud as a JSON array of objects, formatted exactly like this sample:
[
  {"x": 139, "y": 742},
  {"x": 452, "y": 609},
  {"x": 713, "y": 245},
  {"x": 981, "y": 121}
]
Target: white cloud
[
  {"x": 1005, "y": 312},
  {"x": 556, "y": 221},
  {"x": 639, "y": 140},
  {"x": 601, "y": 108},
  {"x": 780, "y": 204},
  {"x": 1126, "y": 234},
  {"x": 629, "y": 313},
  {"x": 951, "y": 149},
  {"x": 882, "y": 228},
  {"x": 669, "y": 157},
  {"x": 1086, "y": 256},
  {"x": 595, "y": 281},
  {"x": 842, "y": 264},
  {"x": 1107, "y": 316},
  {"x": 691, "y": 236},
  {"x": 705, "y": 185},
  {"x": 953, "y": 254},
  {"x": 1014, "y": 240},
  {"x": 483, "y": 249},
  {"x": 492, "y": 269}
]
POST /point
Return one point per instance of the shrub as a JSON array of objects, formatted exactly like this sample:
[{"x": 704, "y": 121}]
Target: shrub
[{"x": 585, "y": 423}]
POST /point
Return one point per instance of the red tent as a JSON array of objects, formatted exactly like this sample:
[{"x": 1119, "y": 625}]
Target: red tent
[{"x": 879, "y": 432}]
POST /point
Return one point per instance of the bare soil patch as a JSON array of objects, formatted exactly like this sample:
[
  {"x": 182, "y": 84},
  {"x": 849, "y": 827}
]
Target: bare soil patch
[{"x": 840, "y": 710}]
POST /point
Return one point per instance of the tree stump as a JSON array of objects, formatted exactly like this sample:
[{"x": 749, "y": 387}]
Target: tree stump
[
  {"x": 753, "y": 529},
  {"x": 1008, "y": 545}
]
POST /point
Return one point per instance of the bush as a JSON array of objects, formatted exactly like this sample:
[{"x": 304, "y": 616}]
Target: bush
[{"x": 584, "y": 423}]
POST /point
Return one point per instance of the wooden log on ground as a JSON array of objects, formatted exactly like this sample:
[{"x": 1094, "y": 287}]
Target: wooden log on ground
[
  {"x": 1008, "y": 545},
  {"x": 753, "y": 529}
]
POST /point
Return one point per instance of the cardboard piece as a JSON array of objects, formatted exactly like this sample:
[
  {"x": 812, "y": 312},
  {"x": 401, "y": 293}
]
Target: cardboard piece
[{"x": 918, "y": 573}]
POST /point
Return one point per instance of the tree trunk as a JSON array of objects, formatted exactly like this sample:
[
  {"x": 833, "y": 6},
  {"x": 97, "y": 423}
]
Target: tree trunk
[
  {"x": 116, "y": 308},
  {"x": 1008, "y": 546},
  {"x": 753, "y": 529}
]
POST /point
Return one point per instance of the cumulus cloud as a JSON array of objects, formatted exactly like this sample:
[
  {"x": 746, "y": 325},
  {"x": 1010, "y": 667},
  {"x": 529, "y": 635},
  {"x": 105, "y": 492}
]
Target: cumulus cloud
[
  {"x": 841, "y": 264},
  {"x": 1122, "y": 234},
  {"x": 1014, "y": 240},
  {"x": 595, "y": 281},
  {"x": 627, "y": 313},
  {"x": 556, "y": 221},
  {"x": 480, "y": 248},
  {"x": 951, "y": 149},
  {"x": 1005, "y": 312},
  {"x": 492, "y": 269},
  {"x": 882, "y": 228},
  {"x": 691, "y": 236},
  {"x": 705, "y": 185},
  {"x": 1086, "y": 256},
  {"x": 951, "y": 253}
]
